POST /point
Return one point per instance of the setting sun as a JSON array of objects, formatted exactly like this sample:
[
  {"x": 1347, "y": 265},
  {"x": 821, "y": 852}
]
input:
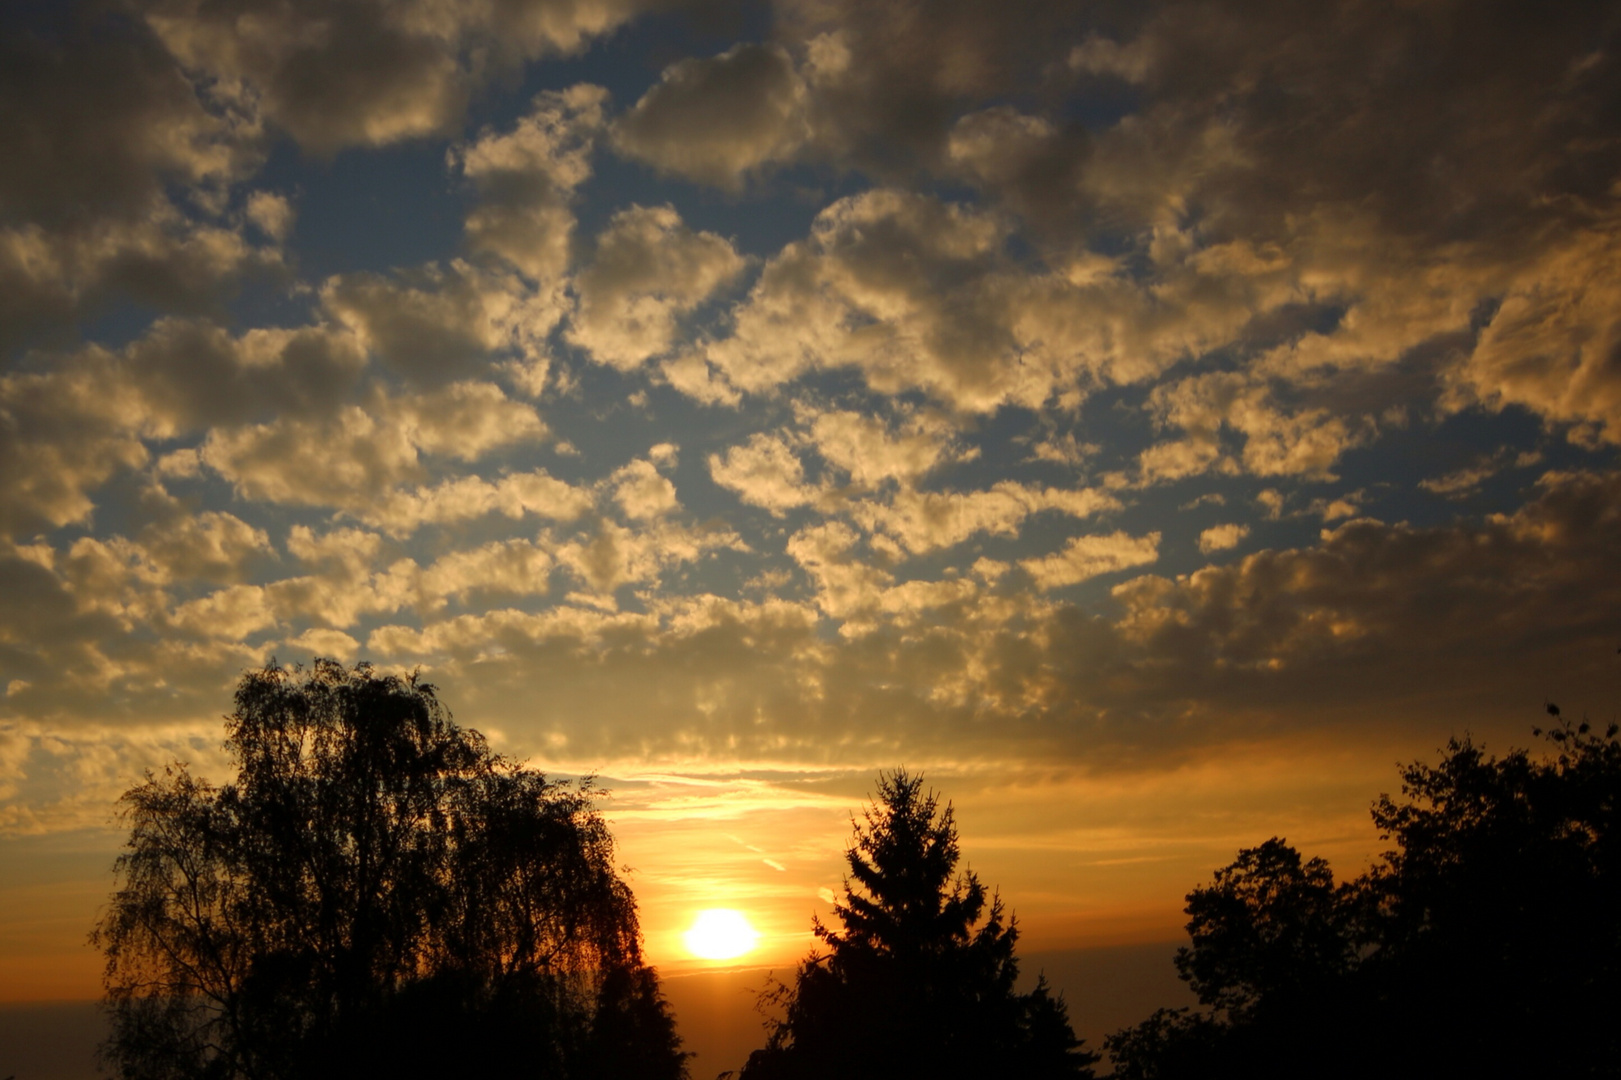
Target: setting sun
[{"x": 721, "y": 934}]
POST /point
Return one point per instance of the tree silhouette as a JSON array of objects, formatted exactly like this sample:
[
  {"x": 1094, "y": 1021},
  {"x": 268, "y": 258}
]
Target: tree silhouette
[
  {"x": 920, "y": 980},
  {"x": 1270, "y": 929},
  {"x": 1486, "y": 942},
  {"x": 377, "y": 892}
]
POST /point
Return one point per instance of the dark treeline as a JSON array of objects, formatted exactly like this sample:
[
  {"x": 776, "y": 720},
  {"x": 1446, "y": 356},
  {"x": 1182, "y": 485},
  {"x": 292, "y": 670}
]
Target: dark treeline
[
  {"x": 1486, "y": 942},
  {"x": 377, "y": 893}
]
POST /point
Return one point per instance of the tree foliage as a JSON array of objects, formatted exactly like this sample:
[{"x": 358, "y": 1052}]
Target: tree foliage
[
  {"x": 920, "y": 980},
  {"x": 1486, "y": 941},
  {"x": 375, "y": 892}
]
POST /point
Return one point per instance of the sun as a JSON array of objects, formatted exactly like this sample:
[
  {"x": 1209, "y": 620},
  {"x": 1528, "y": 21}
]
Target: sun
[{"x": 720, "y": 934}]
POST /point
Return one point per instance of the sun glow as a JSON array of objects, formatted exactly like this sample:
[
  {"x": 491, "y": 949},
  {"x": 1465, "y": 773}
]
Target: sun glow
[{"x": 721, "y": 934}]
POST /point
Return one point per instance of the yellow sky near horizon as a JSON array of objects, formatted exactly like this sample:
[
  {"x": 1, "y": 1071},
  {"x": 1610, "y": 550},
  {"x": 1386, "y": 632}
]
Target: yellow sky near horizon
[{"x": 1081, "y": 860}]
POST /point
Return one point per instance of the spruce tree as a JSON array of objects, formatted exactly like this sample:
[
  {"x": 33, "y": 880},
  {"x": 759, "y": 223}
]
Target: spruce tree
[{"x": 920, "y": 977}]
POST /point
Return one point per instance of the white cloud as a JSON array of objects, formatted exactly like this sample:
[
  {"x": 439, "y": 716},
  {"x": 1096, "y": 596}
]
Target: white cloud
[
  {"x": 231, "y": 613},
  {"x": 1275, "y": 442},
  {"x": 210, "y": 545},
  {"x": 319, "y": 641},
  {"x": 512, "y": 567},
  {"x": 916, "y": 294},
  {"x": 1551, "y": 344},
  {"x": 66, "y": 430}
]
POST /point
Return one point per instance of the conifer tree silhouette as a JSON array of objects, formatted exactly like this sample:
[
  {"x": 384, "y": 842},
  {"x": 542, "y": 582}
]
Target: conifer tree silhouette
[{"x": 919, "y": 979}]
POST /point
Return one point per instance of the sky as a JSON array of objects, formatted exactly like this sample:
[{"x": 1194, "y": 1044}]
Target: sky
[{"x": 1153, "y": 422}]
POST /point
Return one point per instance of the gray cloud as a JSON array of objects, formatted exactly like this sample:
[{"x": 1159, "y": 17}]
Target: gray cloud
[
  {"x": 435, "y": 324},
  {"x": 334, "y": 74},
  {"x": 526, "y": 180},
  {"x": 717, "y": 120},
  {"x": 648, "y": 270},
  {"x": 1361, "y": 630},
  {"x": 65, "y": 430},
  {"x": 116, "y": 180}
]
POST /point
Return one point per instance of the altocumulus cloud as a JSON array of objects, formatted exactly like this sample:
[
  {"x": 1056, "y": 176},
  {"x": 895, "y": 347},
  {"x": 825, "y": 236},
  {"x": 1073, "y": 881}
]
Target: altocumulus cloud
[{"x": 1035, "y": 384}]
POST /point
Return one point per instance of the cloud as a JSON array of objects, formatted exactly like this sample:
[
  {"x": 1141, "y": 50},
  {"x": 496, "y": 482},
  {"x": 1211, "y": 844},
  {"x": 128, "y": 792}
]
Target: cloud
[
  {"x": 526, "y": 180},
  {"x": 118, "y": 183},
  {"x": 618, "y": 556},
  {"x": 916, "y": 294},
  {"x": 56, "y": 778},
  {"x": 1394, "y": 597},
  {"x": 65, "y": 430},
  {"x": 1063, "y": 450},
  {"x": 231, "y": 613},
  {"x": 648, "y": 270},
  {"x": 925, "y": 520},
  {"x": 208, "y": 546},
  {"x": 764, "y": 472},
  {"x": 367, "y": 73},
  {"x": 512, "y": 567},
  {"x": 1028, "y": 164},
  {"x": 1222, "y": 537},
  {"x": 845, "y": 585},
  {"x": 107, "y": 119},
  {"x": 890, "y": 283},
  {"x": 348, "y": 550},
  {"x": 164, "y": 259},
  {"x": 348, "y": 584},
  {"x": 887, "y": 81},
  {"x": 436, "y": 324},
  {"x": 270, "y": 213},
  {"x": 642, "y": 493},
  {"x": 352, "y": 459},
  {"x": 1086, "y": 557},
  {"x": 1221, "y": 654},
  {"x": 1276, "y": 442},
  {"x": 863, "y": 447},
  {"x": 717, "y": 120},
  {"x": 1277, "y": 278},
  {"x": 323, "y": 642},
  {"x": 403, "y": 511},
  {"x": 1552, "y": 343}
]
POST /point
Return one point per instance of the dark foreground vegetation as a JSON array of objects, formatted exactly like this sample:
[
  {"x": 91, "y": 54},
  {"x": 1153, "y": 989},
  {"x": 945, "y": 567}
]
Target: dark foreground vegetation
[
  {"x": 920, "y": 980},
  {"x": 377, "y": 893},
  {"x": 1485, "y": 943}
]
